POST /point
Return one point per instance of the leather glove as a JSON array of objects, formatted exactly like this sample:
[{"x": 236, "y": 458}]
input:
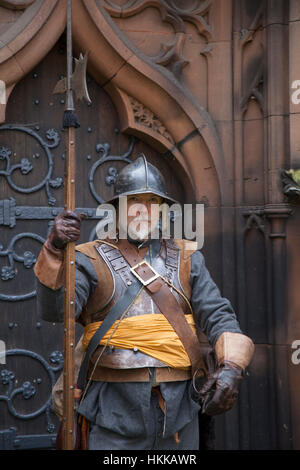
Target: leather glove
[
  {"x": 221, "y": 390},
  {"x": 66, "y": 228}
]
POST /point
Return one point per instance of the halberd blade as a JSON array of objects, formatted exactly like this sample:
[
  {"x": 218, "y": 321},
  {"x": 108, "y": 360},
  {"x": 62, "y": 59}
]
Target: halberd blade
[{"x": 78, "y": 79}]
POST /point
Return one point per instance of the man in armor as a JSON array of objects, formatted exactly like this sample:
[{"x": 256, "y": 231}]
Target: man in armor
[{"x": 142, "y": 389}]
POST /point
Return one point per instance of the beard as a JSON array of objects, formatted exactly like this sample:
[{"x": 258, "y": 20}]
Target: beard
[{"x": 139, "y": 229}]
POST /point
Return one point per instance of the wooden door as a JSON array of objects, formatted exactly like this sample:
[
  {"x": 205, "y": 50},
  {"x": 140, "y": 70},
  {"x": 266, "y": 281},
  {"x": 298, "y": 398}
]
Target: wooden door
[{"x": 31, "y": 195}]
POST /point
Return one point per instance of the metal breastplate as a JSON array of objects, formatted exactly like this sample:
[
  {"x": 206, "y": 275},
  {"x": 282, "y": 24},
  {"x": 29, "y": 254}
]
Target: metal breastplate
[{"x": 166, "y": 263}]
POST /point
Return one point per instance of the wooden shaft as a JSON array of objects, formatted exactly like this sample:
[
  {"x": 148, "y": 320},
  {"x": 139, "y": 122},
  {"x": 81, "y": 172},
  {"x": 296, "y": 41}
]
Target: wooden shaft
[{"x": 69, "y": 301}]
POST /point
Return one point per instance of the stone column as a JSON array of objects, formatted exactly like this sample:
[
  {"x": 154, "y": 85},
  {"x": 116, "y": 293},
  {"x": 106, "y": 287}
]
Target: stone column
[
  {"x": 276, "y": 210},
  {"x": 293, "y": 230}
]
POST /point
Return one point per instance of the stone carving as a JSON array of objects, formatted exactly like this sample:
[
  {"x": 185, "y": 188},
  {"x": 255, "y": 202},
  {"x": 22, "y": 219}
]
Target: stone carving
[
  {"x": 145, "y": 117},
  {"x": 254, "y": 218},
  {"x": 175, "y": 13},
  {"x": 16, "y": 4},
  {"x": 254, "y": 90},
  {"x": 171, "y": 54}
]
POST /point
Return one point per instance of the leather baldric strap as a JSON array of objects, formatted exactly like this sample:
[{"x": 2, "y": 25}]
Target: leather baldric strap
[
  {"x": 118, "y": 308},
  {"x": 165, "y": 301}
]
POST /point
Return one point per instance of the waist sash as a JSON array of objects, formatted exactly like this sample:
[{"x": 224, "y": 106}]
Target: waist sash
[{"x": 151, "y": 334}]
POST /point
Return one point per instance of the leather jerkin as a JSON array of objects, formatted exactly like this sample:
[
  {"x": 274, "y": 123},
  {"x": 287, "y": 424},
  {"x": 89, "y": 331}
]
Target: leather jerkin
[{"x": 167, "y": 304}]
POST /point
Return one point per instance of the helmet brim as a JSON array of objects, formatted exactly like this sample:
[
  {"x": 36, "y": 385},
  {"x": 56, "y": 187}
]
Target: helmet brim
[{"x": 167, "y": 199}]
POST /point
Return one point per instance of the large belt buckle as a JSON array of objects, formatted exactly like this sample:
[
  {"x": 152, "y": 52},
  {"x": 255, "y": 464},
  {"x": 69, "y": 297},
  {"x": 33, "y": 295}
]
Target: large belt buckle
[{"x": 148, "y": 281}]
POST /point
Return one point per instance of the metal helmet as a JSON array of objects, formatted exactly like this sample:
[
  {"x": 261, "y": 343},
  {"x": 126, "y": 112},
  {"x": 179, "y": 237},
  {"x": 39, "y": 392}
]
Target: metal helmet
[{"x": 140, "y": 177}]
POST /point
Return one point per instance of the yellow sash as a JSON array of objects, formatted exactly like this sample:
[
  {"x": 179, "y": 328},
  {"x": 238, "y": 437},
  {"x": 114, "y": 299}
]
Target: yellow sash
[{"x": 152, "y": 334}]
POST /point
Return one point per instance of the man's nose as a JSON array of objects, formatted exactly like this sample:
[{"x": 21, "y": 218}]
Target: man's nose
[{"x": 142, "y": 209}]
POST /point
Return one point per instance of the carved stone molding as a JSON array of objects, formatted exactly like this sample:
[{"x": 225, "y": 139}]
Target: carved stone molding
[
  {"x": 193, "y": 12},
  {"x": 133, "y": 125},
  {"x": 117, "y": 65},
  {"x": 145, "y": 117},
  {"x": 254, "y": 218},
  {"x": 28, "y": 40},
  {"x": 254, "y": 89},
  {"x": 276, "y": 214},
  {"x": 171, "y": 53},
  {"x": 16, "y": 4}
]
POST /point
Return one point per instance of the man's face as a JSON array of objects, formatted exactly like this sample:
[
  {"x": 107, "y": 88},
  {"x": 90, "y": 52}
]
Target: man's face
[{"x": 142, "y": 215}]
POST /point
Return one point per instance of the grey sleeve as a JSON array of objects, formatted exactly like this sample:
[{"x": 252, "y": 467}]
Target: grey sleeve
[
  {"x": 50, "y": 303},
  {"x": 213, "y": 313}
]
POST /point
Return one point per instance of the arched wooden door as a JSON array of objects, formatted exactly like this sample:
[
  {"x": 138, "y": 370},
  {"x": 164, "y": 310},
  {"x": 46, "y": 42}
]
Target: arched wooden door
[{"x": 31, "y": 195}]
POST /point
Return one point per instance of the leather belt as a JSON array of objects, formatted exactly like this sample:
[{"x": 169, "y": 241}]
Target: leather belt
[{"x": 142, "y": 374}]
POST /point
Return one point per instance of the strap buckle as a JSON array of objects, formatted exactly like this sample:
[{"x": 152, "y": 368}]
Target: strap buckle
[{"x": 147, "y": 281}]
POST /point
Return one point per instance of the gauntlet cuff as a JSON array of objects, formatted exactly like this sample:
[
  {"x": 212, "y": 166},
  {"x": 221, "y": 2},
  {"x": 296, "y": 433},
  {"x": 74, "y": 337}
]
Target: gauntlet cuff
[
  {"x": 49, "y": 266},
  {"x": 234, "y": 347}
]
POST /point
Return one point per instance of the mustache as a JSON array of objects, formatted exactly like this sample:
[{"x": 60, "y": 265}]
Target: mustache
[{"x": 141, "y": 218}]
